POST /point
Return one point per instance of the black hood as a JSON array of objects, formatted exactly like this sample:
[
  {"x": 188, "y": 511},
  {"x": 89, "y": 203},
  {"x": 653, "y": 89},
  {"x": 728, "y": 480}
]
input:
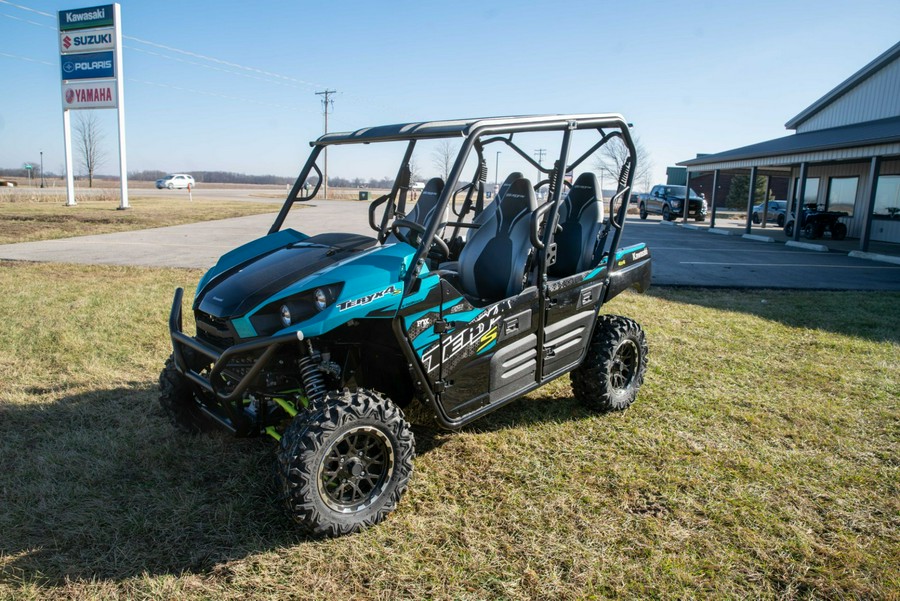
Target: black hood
[{"x": 239, "y": 290}]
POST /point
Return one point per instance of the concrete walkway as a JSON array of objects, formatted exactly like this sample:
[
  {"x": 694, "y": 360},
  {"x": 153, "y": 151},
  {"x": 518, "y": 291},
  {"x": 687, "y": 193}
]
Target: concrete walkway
[
  {"x": 190, "y": 245},
  {"x": 681, "y": 256}
]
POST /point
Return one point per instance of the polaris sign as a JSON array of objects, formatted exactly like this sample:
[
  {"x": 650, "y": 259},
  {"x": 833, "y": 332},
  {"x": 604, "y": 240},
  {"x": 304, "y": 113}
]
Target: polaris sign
[
  {"x": 84, "y": 18},
  {"x": 91, "y": 65},
  {"x": 87, "y": 41}
]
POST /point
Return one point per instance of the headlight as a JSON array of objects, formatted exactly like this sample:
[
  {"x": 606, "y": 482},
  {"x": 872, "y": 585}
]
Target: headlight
[
  {"x": 321, "y": 299},
  {"x": 294, "y": 309}
]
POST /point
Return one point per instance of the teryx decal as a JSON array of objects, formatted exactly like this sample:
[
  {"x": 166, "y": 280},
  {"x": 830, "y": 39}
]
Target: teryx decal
[{"x": 369, "y": 298}]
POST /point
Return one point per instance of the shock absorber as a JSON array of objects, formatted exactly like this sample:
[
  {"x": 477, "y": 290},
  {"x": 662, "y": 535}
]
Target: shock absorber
[{"x": 311, "y": 375}]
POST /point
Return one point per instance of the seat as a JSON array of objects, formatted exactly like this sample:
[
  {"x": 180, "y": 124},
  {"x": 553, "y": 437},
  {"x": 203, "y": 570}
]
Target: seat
[
  {"x": 493, "y": 262},
  {"x": 423, "y": 210},
  {"x": 580, "y": 220}
]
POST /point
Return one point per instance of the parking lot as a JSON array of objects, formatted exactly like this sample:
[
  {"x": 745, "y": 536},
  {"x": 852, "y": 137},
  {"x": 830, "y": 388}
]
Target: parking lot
[
  {"x": 695, "y": 257},
  {"x": 681, "y": 256}
]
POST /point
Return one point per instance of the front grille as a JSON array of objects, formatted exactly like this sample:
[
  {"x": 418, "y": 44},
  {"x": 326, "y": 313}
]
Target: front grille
[{"x": 214, "y": 330}]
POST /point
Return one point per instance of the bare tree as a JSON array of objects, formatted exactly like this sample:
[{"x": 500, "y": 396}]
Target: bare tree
[
  {"x": 613, "y": 156},
  {"x": 443, "y": 157},
  {"x": 88, "y": 140}
]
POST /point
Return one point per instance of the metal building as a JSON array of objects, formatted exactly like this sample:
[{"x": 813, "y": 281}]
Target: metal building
[{"x": 844, "y": 154}]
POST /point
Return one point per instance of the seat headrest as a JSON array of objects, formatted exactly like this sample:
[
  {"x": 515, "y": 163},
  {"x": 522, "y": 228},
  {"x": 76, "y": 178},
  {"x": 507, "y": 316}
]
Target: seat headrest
[
  {"x": 512, "y": 177},
  {"x": 516, "y": 197},
  {"x": 585, "y": 189},
  {"x": 433, "y": 187}
]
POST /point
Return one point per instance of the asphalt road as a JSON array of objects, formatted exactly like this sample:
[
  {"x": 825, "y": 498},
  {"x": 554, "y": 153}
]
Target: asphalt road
[{"x": 681, "y": 256}]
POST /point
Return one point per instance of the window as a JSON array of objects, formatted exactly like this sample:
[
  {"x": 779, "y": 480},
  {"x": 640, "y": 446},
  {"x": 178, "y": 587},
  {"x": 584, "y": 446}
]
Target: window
[
  {"x": 811, "y": 195},
  {"x": 842, "y": 194},
  {"x": 887, "y": 196}
]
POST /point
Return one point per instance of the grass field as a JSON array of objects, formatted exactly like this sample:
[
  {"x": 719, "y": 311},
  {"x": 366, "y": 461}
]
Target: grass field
[
  {"x": 759, "y": 461},
  {"x": 26, "y": 217}
]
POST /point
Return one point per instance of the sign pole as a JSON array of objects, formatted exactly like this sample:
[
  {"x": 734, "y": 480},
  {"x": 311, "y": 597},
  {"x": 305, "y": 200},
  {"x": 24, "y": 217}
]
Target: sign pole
[
  {"x": 70, "y": 177},
  {"x": 120, "y": 89}
]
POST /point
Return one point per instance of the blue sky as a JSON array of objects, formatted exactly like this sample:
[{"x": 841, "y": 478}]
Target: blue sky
[{"x": 231, "y": 85}]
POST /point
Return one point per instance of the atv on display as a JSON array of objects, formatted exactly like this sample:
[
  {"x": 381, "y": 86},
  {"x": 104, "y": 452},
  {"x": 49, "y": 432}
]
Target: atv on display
[
  {"x": 814, "y": 223},
  {"x": 464, "y": 302}
]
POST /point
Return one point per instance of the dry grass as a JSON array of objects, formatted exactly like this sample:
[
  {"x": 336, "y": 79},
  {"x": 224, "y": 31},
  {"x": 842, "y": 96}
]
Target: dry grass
[
  {"x": 760, "y": 460},
  {"x": 28, "y": 215}
]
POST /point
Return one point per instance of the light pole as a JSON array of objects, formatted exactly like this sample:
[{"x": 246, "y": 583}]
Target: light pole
[
  {"x": 42, "y": 169},
  {"x": 496, "y": 168}
]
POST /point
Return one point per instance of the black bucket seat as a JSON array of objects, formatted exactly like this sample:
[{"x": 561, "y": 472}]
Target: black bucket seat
[
  {"x": 492, "y": 264},
  {"x": 580, "y": 220}
]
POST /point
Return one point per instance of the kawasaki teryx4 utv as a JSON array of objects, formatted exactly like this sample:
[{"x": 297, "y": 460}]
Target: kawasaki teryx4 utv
[{"x": 464, "y": 301}]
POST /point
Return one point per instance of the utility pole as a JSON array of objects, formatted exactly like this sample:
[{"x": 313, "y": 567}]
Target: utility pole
[
  {"x": 540, "y": 153},
  {"x": 326, "y": 100},
  {"x": 496, "y": 168},
  {"x": 42, "y": 169}
]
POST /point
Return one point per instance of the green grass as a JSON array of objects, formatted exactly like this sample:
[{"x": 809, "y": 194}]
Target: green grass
[
  {"x": 28, "y": 217},
  {"x": 760, "y": 460}
]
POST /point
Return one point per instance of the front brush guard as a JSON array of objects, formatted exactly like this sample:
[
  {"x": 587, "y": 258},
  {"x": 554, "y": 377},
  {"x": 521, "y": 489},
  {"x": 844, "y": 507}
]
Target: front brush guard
[{"x": 230, "y": 401}]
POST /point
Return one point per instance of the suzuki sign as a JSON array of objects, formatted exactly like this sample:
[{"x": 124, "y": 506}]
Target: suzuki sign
[
  {"x": 91, "y": 65},
  {"x": 87, "y": 41}
]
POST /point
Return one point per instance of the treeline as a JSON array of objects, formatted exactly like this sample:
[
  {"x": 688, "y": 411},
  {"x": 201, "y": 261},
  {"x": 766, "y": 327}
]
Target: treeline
[{"x": 214, "y": 177}]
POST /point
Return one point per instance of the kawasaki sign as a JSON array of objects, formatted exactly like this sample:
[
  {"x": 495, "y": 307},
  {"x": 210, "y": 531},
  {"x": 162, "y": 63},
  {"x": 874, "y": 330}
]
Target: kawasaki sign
[{"x": 84, "y": 18}]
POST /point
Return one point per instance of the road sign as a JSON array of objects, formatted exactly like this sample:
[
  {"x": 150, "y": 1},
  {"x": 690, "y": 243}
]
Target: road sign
[
  {"x": 84, "y": 18},
  {"x": 87, "y": 41},
  {"x": 89, "y": 94},
  {"x": 28, "y": 167},
  {"x": 90, "y": 65}
]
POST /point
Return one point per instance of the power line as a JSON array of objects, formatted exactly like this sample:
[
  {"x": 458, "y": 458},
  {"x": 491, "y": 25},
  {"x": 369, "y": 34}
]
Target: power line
[{"x": 326, "y": 101}]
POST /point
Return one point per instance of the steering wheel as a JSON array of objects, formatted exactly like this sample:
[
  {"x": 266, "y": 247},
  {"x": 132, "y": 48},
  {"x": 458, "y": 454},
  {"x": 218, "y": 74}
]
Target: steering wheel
[{"x": 438, "y": 241}]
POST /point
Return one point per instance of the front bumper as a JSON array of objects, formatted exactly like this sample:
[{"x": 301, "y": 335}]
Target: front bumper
[{"x": 228, "y": 397}]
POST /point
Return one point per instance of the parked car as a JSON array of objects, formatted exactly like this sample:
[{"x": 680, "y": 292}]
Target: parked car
[
  {"x": 668, "y": 201},
  {"x": 176, "y": 180},
  {"x": 775, "y": 212}
]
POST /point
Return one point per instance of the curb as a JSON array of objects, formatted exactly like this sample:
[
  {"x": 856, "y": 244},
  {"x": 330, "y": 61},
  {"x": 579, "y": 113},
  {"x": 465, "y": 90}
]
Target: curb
[
  {"x": 692, "y": 226},
  {"x": 758, "y": 238},
  {"x": 858, "y": 254},
  {"x": 808, "y": 246},
  {"x": 715, "y": 230},
  {"x": 669, "y": 223}
]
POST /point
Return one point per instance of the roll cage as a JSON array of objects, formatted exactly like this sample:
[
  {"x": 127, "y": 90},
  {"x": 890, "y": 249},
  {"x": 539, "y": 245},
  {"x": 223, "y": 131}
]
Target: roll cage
[{"x": 476, "y": 135}]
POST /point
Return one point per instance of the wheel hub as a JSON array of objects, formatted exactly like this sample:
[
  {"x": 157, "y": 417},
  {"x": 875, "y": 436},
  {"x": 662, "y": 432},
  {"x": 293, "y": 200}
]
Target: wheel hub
[
  {"x": 355, "y": 469},
  {"x": 625, "y": 365}
]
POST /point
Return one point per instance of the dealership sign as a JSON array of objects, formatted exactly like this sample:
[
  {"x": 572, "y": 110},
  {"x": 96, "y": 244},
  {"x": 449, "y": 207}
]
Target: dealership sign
[
  {"x": 89, "y": 95},
  {"x": 91, "y": 65},
  {"x": 87, "y": 41},
  {"x": 84, "y": 18},
  {"x": 90, "y": 60}
]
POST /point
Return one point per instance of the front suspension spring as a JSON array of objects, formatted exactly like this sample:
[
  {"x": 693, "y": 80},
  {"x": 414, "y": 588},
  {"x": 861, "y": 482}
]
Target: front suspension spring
[{"x": 313, "y": 380}]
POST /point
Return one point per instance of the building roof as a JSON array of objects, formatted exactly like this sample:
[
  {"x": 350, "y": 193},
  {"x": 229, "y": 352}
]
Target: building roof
[
  {"x": 882, "y": 131},
  {"x": 851, "y": 82}
]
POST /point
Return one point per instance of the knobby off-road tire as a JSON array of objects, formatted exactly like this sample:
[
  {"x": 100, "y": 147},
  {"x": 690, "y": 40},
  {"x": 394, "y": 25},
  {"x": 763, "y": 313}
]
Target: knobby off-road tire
[
  {"x": 344, "y": 463},
  {"x": 613, "y": 370},
  {"x": 176, "y": 396},
  {"x": 838, "y": 231}
]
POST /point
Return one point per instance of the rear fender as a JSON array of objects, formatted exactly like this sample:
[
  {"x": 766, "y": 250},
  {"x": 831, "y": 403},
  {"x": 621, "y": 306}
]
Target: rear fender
[{"x": 632, "y": 270}]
